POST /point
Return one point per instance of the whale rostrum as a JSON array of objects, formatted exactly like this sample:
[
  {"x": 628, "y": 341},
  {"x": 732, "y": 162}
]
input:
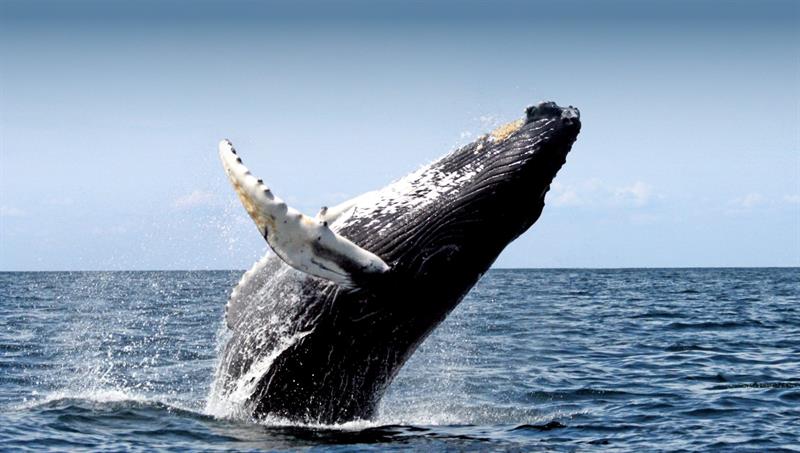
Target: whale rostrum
[{"x": 307, "y": 244}]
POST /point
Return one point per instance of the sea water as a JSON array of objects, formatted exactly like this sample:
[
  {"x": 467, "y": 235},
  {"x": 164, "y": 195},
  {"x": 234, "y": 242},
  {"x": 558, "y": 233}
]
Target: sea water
[{"x": 556, "y": 360}]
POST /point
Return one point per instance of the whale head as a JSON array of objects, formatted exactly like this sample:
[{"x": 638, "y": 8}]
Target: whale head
[{"x": 442, "y": 227}]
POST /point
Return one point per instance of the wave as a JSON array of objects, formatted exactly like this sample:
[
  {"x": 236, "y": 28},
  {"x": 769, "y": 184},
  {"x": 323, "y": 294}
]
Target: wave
[
  {"x": 714, "y": 325},
  {"x": 757, "y": 385},
  {"x": 138, "y": 414},
  {"x": 111, "y": 397}
]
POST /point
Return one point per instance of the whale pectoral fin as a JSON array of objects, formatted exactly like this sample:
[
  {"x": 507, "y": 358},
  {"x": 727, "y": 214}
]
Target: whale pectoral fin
[{"x": 306, "y": 244}]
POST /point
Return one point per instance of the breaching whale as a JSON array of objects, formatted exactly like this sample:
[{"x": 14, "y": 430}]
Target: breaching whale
[{"x": 319, "y": 328}]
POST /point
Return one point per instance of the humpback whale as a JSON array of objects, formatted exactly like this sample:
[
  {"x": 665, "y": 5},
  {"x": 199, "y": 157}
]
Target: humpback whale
[{"x": 319, "y": 327}]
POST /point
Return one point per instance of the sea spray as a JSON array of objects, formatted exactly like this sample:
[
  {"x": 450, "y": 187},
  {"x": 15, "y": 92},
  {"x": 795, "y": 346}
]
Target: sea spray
[{"x": 229, "y": 396}]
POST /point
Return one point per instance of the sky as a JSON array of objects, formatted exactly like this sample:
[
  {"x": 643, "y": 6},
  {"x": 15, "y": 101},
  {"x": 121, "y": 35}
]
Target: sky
[{"x": 110, "y": 113}]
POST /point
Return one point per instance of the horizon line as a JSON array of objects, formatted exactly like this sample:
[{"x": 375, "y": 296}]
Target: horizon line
[{"x": 490, "y": 269}]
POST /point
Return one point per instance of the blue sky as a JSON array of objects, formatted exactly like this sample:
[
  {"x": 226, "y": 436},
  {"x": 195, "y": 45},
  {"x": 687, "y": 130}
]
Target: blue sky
[{"x": 111, "y": 111}]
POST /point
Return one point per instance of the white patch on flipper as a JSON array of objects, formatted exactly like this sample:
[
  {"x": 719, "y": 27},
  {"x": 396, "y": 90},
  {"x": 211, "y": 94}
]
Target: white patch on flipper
[{"x": 304, "y": 243}]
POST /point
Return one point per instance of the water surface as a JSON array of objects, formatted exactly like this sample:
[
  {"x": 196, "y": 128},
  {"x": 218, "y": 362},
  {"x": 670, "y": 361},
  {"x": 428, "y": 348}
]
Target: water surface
[{"x": 557, "y": 360}]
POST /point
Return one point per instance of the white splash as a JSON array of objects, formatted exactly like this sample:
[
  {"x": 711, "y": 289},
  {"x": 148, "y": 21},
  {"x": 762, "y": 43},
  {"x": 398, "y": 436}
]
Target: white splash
[{"x": 233, "y": 404}]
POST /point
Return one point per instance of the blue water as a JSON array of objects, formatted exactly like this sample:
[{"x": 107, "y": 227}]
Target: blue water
[{"x": 556, "y": 360}]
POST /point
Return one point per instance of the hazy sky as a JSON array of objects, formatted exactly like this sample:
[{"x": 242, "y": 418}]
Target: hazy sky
[{"x": 111, "y": 112}]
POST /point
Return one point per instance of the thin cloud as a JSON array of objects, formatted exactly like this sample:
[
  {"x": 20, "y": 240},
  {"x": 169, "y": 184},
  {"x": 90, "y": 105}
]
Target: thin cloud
[
  {"x": 564, "y": 195},
  {"x": 594, "y": 192},
  {"x": 11, "y": 211},
  {"x": 115, "y": 230},
  {"x": 195, "y": 199},
  {"x": 791, "y": 199},
  {"x": 568, "y": 198},
  {"x": 489, "y": 121},
  {"x": 749, "y": 201},
  {"x": 637, "y": 194},
  {"x": 61, "y": 201},
  {"x": 755, "y": 201}
]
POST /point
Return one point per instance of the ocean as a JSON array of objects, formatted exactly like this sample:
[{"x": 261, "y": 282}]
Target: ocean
[{"x": 532, "y": 360}]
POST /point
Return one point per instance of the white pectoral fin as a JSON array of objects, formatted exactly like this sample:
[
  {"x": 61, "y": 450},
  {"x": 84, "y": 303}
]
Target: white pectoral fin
[
  {"x": 319, "y": 251},
  {"x": 304, "y": 243}
]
